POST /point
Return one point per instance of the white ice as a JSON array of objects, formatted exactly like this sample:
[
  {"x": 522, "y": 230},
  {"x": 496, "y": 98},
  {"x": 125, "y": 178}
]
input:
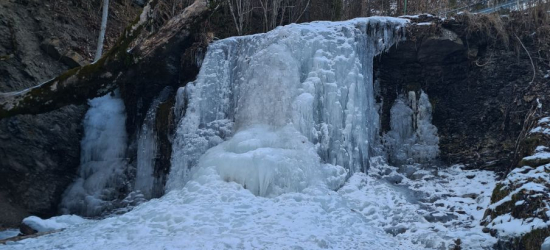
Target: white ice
[
  {"x": 412, "y": 138},
  {"x": 146, "y": 181},
  {"x": 102, "y": 159},
  {"x": 316, "y": 77},
  {"x": 54, "y": 223}
]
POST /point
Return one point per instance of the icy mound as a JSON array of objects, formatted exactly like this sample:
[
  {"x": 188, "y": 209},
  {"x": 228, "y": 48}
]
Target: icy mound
[{"x": 268, "y": 161}]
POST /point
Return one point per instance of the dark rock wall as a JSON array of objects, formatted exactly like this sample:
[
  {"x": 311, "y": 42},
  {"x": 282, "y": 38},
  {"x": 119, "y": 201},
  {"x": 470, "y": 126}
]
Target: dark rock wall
[
  {"x": 39, "y": 155},
  {"x": 479, "y": 91}
]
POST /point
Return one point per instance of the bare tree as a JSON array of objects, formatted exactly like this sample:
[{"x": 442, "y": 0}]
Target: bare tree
[
  {"x": 280, "y": 12},
  {"x": 99, "y": 50},
  {"x": 240, "y": 10}
]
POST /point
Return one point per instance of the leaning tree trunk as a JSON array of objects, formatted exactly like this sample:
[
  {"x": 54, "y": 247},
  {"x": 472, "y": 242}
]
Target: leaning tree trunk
[
  {"x": 99, "y": 50},
  {"x": 77, "y": 85}
]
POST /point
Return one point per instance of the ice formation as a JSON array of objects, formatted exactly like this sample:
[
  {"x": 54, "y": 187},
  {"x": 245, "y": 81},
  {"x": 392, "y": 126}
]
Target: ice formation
[
  {"x": 412, "y": 138},
  {"x": 146, "y": 182},
  {"x": 54, "y": 223},
  {"x": 102, "y": 159},
  {"x": 313, "y": 78}
]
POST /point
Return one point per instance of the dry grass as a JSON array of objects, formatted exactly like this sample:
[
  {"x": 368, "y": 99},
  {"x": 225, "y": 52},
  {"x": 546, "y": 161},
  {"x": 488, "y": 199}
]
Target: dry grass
[
  {"x": 524, "y": 31},
  {"x": 490, "y": 27}
]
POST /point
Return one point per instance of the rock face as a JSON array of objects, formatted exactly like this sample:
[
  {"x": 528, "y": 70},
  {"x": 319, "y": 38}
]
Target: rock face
[
  {"x": 40, "y": 154},
  {"x": 479, "y": 92}
]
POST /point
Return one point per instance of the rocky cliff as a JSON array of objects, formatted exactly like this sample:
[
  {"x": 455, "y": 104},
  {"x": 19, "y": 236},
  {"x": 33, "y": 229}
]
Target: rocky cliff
[
  {"x": 481, "y": 89},
  {"x": 40, "y": 153}
]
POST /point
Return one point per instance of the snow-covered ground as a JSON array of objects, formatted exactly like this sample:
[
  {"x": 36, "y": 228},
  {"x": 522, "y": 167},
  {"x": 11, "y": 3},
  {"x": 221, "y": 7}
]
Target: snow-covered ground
[{"x": 427, "y": 211}]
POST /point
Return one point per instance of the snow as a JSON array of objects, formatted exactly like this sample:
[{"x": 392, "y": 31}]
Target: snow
[
  {"x": 416, "y": 16},
  {"x": 441, "y": 206},
  {"x": 8, "y": 233},
  {"x": 102, "y": 160},
  {"x": 540, "y": 155},
  {"x": 508, "y": 226},
  {"x": 545, "y": 244},
  {"x": 532, "y": 183},
  {"x": 54, "y": 223},
  {"x": 211, "y": 213},
  {"x": 143, "y": 17},
  {"x": 543, "y": 126}
]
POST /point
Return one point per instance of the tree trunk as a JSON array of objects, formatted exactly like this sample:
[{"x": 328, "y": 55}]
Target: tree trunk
[
  {"x": 79, "y": 84},
  {"x": 99, "y": 50}
]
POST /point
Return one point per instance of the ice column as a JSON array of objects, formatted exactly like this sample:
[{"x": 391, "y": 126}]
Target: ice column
[
  {"x": 102, "y": 159},
  {"x": 412, "y": 138}
]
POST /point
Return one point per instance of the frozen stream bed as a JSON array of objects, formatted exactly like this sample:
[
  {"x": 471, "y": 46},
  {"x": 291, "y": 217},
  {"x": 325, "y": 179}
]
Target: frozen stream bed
[{"x": 366, "y": 213}]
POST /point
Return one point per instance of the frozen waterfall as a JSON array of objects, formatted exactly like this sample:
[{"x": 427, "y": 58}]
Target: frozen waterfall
[
  {"x": 273, "y": 111},
  {"x": 102, "y": 159},
  {"x": 269, "y": 145},
  {"x": 146, "y": 181},
  {"x": 412, "y": 138}
]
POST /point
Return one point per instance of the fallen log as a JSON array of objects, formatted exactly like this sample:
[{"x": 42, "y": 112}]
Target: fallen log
[{"x": 134, "y": 47}]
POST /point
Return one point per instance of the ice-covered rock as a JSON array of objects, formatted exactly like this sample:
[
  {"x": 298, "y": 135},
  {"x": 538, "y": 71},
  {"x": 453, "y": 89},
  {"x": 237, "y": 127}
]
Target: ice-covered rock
[{"x": 55, "y": 223}]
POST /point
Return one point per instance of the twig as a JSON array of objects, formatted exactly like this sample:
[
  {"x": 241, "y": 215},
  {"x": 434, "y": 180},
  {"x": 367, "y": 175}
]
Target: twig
[{"x": 530, "y": 58}]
